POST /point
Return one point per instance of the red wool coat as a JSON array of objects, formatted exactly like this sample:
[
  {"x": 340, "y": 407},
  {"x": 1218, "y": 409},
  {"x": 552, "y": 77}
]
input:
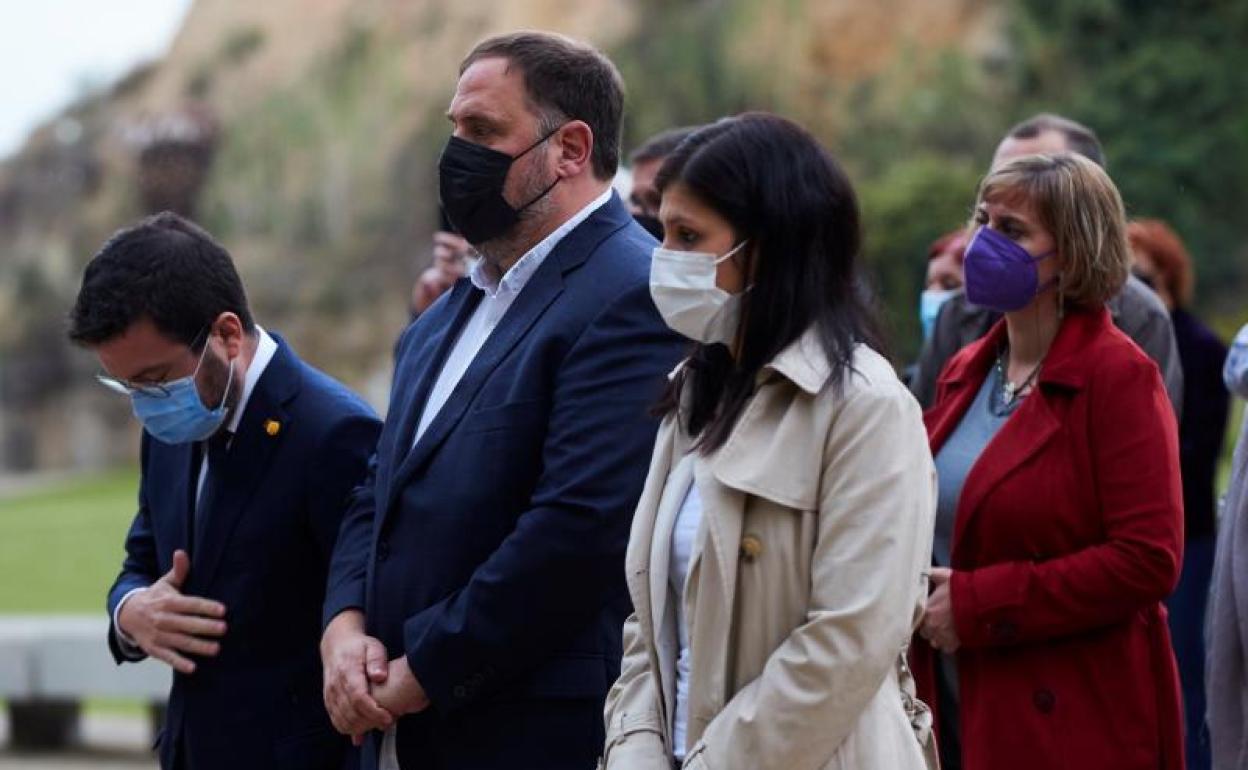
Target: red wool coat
[{"x": 1067, "y": 536}]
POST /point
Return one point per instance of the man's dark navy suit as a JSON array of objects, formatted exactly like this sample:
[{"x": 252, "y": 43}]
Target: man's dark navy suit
[
  {"x": 262, "y": 548},
  {"x": 491, "y": 553}
]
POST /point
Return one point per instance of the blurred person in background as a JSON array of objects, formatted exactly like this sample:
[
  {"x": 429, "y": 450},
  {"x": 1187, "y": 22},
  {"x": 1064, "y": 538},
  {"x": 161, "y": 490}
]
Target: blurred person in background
[
  {"x": 1060, "y": 517},
  {"x": 453, "y": 257},
  {"x": 249, "y": 456},
  {"x": 944, "y": 277},
  {"x": 1226, "y": 665},
  {"x": 1134, "y": 309},
  {"x": 1161, "y": 261},
  {"x": 645, "y": 161},
  {"x": 777, "y": 558}
]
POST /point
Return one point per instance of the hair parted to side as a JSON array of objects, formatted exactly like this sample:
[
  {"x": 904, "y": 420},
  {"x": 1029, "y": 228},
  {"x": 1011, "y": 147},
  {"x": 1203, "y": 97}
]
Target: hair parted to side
[
  {"x": 1076, "y": 201},
  {"x": 166, "y": 269},
  {"x": 565, "y": 79},
  {"x": 661, "y": 145}
]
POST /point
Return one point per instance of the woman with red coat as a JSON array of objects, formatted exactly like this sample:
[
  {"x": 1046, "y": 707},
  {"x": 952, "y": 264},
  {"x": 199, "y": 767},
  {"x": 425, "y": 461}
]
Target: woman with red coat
[{"x": 1060, "y": 518}]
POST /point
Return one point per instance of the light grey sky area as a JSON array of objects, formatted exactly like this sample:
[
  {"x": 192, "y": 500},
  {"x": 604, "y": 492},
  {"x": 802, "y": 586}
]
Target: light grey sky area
[{"x": 51, "y": 50}]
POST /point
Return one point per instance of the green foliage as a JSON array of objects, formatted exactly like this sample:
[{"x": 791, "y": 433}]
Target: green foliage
[{"x": 1165, "y": 85}]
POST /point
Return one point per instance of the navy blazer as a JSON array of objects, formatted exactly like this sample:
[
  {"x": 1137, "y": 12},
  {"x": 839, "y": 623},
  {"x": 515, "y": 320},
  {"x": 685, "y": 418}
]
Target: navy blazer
[
  {"x": 262, "y": 548},
  {"x": 491, "y": 553}
]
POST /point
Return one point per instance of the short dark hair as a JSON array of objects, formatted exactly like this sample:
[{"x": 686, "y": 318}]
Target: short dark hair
[
  {"x": 785, "y": 194},
  {"x": 661, "y": 145},
  {"x": 1079, "y": 138},
  {"x": 166, "y": 269},
  {"x": 565, "y": 79}
]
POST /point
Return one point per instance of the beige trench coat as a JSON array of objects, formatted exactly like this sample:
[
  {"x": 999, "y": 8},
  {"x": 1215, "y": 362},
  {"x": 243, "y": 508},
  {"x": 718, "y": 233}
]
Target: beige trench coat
[{"x": 808, "y": 576}]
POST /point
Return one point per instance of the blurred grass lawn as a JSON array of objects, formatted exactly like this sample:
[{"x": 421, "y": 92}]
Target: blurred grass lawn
[{"x": 61, "y": 547}]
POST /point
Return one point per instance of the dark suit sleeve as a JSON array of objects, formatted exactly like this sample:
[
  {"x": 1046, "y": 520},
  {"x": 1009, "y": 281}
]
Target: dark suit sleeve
[
  {"x": 141, "y": 566},
  {"x": 342, "y": 462},
  {"x": 348, "y": 567},
  {"x": 563, "y": 561}
]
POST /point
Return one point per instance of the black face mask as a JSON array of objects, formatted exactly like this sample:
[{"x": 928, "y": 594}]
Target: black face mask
[
  {"x": 470, "y": 180},
  {"x": 651, "y": 223}
]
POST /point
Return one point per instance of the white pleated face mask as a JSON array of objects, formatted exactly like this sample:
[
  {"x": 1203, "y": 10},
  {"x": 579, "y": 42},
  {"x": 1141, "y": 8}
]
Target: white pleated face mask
[{"x": 682, "y": 284}]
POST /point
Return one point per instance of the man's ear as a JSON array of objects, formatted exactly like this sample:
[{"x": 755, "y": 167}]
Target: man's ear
[
  {"x": 575, "y": 141},
  {"x": 229, "y": 327}
]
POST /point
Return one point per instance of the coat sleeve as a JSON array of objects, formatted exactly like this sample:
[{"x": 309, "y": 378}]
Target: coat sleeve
[
  {"x": 1134, "y": 450},
  {"x": 348, "y": 566},
  {"x": 139, "y": 569},
  {"x": 342, "y": 463},
  {"x": 877, "y": 503},
  {"x": 633, "y": 717},
  {"x": 562, "y": 562}
]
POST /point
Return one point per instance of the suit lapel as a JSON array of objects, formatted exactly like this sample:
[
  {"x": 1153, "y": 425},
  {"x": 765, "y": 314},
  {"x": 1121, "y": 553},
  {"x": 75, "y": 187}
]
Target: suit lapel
[
  {"x": 427, "y": 363},
  {"x": 247, "y": 461},
  {"x": 543, "y": 287}
]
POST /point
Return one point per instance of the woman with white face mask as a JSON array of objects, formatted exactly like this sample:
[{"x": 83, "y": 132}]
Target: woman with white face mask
[{"x": 778, "y": 553}]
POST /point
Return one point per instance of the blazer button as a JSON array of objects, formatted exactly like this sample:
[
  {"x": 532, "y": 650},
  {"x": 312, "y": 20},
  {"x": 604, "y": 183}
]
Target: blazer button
[
  {"x": 751, "y": 548},
  {"x": 1044, "y": 700},
  {"x": 383, "y": 551}
]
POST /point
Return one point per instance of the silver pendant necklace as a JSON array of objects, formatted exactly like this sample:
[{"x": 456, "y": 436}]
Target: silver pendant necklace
[{"x": 1013, "y": 391}]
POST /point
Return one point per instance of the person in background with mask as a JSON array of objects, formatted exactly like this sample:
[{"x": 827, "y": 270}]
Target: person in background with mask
[
  {"x": 778, "y": 555},
  {"x": 643, "y": 199},
  {"x": 1226, "y": 631},
  {"x": 1135, "y": 309},
  {"x": 248, "y": 458},
  {"x": 1059, "y": 529},
  {"x": 1161, "y": 261},
  {"x": 944, "y": 277},
  {"x": 477, "y": 592}
]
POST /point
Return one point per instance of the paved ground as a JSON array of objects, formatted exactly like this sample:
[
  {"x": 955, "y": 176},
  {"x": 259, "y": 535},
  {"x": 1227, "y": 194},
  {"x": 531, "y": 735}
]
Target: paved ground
[{"x": 109, "y": 743}]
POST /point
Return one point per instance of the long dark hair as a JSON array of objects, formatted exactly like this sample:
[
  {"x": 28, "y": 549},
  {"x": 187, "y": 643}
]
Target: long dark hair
[{"x": 785, "y": 193}]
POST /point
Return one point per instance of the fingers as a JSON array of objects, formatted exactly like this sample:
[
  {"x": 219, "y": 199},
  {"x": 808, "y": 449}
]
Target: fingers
[
  {"x": 193, "y": 625},
  {"x": 176, "y": 661},
  {"x": 176, "y": 576},
  {"x": 357, "y": 740},
  {"x": 189, "y": 644},
  {"x": 940, "y": 575},
  {"x": 195, "y": 605},
  {"x": 352, "y": 708},
  {"x": 376, "y": 662}
]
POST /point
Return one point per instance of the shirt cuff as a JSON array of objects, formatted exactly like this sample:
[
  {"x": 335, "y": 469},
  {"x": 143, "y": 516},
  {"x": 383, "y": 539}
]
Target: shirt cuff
[{"x": 129, "y": 648}]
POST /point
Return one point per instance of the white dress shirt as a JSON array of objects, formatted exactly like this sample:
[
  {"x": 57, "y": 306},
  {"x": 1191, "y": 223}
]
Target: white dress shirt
[
  {"x": 266, "y": 347},
  {"x": 499, "y": 296}
]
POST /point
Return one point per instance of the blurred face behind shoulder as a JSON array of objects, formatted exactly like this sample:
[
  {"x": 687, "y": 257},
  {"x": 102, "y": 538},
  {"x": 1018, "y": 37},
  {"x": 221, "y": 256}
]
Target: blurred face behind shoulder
[{"x": 691, "y": 225}]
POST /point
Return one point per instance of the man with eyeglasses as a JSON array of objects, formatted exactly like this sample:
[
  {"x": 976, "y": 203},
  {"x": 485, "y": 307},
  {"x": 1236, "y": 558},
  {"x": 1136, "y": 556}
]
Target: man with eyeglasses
[{"x": 249, "y": 457}]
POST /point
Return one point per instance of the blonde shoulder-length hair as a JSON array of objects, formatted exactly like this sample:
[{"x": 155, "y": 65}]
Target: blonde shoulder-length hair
[{"x": 1078, "y": 204}]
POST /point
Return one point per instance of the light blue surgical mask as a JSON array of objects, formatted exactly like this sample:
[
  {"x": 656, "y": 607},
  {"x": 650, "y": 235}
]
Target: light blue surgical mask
[
  {"x": 930, "y": 303},
  {"x": 180, "y": 417}
]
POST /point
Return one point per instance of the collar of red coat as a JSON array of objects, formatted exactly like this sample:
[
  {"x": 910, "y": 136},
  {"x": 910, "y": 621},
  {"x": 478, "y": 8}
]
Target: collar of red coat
[{"x": 1066, "y": 365}]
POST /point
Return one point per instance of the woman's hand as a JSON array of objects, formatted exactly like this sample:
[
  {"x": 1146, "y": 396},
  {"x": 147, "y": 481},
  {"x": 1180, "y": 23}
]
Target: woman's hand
[{"x": 937, "y": 627}]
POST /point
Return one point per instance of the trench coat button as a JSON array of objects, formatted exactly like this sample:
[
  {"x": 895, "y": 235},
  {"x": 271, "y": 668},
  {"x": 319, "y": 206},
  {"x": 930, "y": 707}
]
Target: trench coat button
[
  {"x": 1044, "y": 700},
  {"x": 751, "y": 548},
  {"x": 383, "y": 551}
]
